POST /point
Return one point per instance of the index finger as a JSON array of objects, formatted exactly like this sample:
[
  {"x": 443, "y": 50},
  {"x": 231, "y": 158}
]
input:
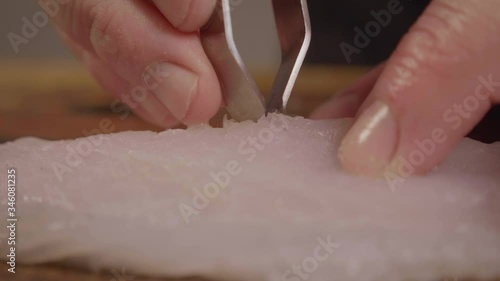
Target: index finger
[{"x": 439, "y": 83}]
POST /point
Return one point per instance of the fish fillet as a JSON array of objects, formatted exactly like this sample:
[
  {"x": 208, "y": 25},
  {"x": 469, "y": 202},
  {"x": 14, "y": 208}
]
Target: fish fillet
[{"x": 251, "y": 201}]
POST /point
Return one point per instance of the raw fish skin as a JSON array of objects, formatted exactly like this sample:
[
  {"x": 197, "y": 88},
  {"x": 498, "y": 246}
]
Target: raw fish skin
[{"x": 119, "y": 206}]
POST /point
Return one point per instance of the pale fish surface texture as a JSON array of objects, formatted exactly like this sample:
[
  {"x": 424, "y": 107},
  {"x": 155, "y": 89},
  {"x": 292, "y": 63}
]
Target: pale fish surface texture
[{"x": 251, "y": 201}]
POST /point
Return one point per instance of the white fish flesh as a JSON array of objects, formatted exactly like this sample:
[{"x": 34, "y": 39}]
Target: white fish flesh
[{"x": 250, "y": 201}]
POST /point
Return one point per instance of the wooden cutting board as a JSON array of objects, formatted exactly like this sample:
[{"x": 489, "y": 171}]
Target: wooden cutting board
[{"x": 59, "y": 99}]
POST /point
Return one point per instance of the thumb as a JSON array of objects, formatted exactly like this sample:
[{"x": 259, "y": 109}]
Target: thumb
[{"x": 167, "y": 73}]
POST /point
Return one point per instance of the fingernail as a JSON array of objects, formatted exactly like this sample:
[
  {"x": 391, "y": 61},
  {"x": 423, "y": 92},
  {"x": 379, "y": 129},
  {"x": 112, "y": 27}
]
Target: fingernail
[
  {"x": 173, "y": 85},
  {"x": 153, "y": 111},
  {"x": 175, "y": 11},
  {"x": 369, "y": 146}
]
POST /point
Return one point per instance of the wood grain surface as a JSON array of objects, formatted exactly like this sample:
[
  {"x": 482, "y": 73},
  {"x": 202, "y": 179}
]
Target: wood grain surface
[
  {"x": 59, "y": 99},
  {"x": 59, "y": 273}
]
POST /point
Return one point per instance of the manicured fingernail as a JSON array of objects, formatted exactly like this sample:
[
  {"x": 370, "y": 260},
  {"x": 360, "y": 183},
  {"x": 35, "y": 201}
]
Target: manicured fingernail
[
  {"x": 369, "y": 146},
  {"x": 173, "y": 85}
]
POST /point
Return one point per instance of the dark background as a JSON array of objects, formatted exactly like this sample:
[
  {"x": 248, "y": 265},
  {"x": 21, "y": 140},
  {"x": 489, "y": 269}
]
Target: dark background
[{"x": 333, "y": 22}]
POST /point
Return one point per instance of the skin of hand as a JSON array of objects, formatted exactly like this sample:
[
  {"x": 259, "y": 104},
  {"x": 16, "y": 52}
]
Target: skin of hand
[
  {"x": 414, "y": 108},
  {"x": 146, "y": 53}
]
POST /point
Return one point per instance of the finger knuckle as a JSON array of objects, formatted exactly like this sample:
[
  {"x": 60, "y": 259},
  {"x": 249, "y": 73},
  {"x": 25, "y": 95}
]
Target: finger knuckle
[
  {"x": 105, "y": 29},
  {"x": 90, "y": 23},
  {"x": 456, "y": 31},
  {"x": 70, "y": 19},
  {"x": 435, "y": 44}
]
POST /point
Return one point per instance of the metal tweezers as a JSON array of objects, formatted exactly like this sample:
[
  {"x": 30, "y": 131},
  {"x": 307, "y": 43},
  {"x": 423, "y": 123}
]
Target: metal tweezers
[{"x": 241, "y": 95}]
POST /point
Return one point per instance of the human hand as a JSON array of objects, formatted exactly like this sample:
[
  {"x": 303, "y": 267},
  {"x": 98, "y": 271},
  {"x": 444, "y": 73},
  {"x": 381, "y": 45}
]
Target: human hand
[
  {"x": 146, "y": 53},
  {"x": 438, "y": 84}
]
